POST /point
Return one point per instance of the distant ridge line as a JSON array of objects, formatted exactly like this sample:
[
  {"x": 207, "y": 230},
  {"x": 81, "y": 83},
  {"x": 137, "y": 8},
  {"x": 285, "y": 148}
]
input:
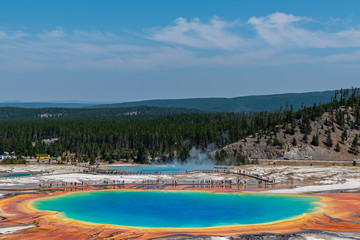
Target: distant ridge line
[{"x": 252, "y": 103}]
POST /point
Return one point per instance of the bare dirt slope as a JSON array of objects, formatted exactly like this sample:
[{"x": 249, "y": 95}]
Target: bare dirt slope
[{"x": 261, "y": 147}]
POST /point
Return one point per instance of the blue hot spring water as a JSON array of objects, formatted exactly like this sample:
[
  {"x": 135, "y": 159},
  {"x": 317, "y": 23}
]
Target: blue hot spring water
[
  {"x": 151, "y": 169},
  {"x": 176, "y": 209},
  {"x": 17, "y": 175}
]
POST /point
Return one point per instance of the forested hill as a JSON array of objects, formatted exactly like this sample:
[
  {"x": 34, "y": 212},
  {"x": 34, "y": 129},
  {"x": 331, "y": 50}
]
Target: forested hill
[
  {"x": 334, "y": 126},
  {"x": 138, "y": 112},
  {"x": 237, "y": 104}
]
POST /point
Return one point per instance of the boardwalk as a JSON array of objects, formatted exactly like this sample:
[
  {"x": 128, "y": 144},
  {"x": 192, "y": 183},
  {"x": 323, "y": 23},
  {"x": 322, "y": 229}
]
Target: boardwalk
[
  {"x": 223, "y": 177},
  {"x": 237, "y": 172}
]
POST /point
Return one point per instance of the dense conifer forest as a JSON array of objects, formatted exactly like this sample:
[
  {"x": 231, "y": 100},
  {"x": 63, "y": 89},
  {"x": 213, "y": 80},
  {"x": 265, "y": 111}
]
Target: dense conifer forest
[
  {"x": 138, "y": 112},
  {"x": 165, "y": 135}
]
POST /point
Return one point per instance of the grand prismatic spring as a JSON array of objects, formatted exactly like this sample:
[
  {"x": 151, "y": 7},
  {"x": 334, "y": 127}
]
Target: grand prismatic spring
[{"x": 171, "y": 209}]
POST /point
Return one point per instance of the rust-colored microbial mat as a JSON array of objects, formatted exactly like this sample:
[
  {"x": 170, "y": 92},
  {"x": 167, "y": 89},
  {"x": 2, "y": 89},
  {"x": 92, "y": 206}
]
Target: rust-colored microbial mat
[{"x": 340, "y": 212}]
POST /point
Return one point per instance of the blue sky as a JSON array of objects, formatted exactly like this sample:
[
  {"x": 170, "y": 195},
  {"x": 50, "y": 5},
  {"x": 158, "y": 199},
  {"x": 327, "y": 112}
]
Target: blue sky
[{"x": 132, "y": 50}]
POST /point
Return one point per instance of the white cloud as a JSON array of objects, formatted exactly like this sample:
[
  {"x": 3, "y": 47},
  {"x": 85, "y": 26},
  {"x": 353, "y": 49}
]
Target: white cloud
[
  {"x": 280, "y": 19},
  {"x": 284, "y": 31},
  {"x": 58, "y": 49},
  {"x": 3, "y": 35},
  {"x": 19, "y": 35},
  {"x": 344, "y": 57},
  {"x": 194, "y": 33},
  {"x": 95, "y": 35},
  {"x": 58, "y": 32},
  {"x": 278, "y": 39},
  {"x": 12, "y": 36}
]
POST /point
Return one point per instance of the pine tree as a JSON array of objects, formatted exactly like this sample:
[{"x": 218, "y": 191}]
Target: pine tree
[
  {"x": 92, "y": 160},
  {"x": 344, "y": 135},
  {"x": 357, "y": 116},
  {"x": 141, "y": 156},
  {"x": 276, "y": 142},
  {"x": 241, "y": 159},
  {"x": 305, "y": 138},
  {"x": 294, "y": 142},
  {"x": 184, "y": 154},
  {"x": 315, "y": 140},
  {"x": 329, "y": 141},
  {"x": 355, "y": 144},
  {"x": 337, "y": 147}
]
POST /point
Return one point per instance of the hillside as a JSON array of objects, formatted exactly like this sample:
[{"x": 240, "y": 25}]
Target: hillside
[
  {"x": 237, "y": 104},
  {"x": 162, "y": 134},
  {"x": 329, "y": 136}
]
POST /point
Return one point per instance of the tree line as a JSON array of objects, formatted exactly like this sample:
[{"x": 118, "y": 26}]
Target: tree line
[{"x": 122, "y": 137}]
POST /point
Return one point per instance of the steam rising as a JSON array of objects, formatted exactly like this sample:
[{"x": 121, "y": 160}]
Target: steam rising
[{"x": 198, "y": 160}]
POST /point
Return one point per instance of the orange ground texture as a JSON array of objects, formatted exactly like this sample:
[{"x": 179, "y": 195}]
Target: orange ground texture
[{"x": 340, "y": 212}]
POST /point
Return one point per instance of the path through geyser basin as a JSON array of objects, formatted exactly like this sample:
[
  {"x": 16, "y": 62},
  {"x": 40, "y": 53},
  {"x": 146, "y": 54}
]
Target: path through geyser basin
[{"x": 177, "y": 209}]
